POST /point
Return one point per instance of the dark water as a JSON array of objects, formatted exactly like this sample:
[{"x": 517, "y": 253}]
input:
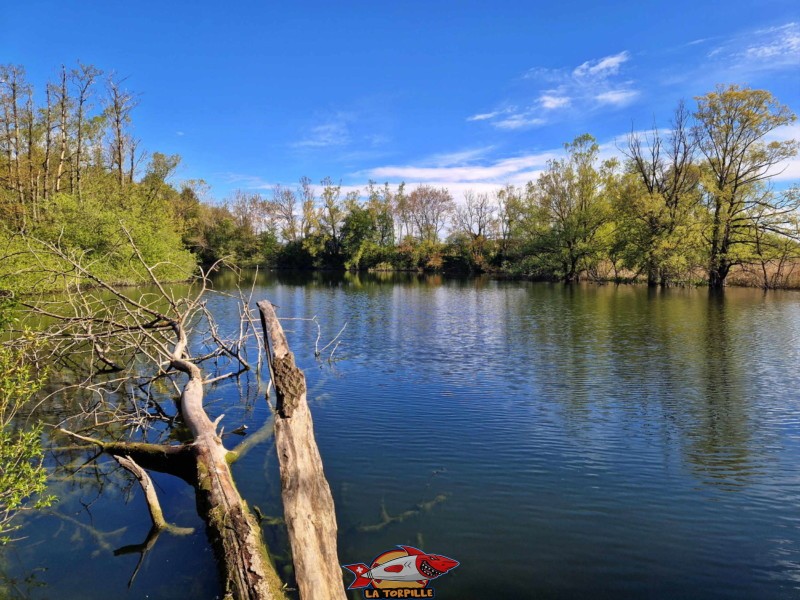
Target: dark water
[{"x": 560, "y": 442}]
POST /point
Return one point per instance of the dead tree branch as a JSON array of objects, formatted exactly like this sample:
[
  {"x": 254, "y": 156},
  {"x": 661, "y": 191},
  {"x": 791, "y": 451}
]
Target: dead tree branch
[{"x": 312, "y": 531}]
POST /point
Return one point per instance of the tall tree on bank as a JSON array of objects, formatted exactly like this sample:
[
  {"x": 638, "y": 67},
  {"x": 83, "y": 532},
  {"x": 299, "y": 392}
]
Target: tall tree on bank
[
  {"x": 569, "y": 196},
  {"x": 476, "y": 219},
  {"x": 656, "y": 208},
  {"x": 118, "y": 106},
  {"x": 430, "y": 208},
  {"x": 732, "y": 124},
  {"x": 83, "y": 79}
]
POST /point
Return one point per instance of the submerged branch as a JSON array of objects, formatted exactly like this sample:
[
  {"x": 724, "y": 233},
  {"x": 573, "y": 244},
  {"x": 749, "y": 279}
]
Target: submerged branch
[{"x": 387, "y": 519}]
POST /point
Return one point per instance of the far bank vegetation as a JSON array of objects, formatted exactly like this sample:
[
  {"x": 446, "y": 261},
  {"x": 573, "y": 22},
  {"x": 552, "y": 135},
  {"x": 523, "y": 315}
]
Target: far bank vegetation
[{"x": 694, "y": 202}]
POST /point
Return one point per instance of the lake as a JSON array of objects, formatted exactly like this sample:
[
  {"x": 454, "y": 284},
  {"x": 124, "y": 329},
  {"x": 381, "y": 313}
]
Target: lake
[{"x": 558, "y": 441}]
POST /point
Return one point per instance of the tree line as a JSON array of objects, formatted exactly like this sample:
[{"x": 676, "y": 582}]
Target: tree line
[{"x": 691, "y": 203}]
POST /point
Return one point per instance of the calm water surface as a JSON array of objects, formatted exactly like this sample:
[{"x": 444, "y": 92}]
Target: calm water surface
[{"x": 563, "y": 442}]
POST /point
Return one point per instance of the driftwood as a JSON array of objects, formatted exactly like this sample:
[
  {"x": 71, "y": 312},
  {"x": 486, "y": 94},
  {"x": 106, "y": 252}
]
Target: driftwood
[
  {"x": 233, "y": 529},
  {"x": 307, "y": 500}
]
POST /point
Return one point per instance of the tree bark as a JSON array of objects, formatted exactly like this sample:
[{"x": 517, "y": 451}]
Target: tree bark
[
  {"x": 307, "y": 501},
  {"x": 234, "y": 531},
  {"x": 63, "y": 124}
]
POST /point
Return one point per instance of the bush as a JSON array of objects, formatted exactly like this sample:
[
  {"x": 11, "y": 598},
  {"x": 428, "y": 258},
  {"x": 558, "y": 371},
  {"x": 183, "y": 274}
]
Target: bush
[{"x": 22, "y": 475}]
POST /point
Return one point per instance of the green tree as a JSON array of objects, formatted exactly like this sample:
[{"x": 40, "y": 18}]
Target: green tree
[
  {"x": 656, "y": 206},
  {"x": 359, "y": 232},
  {"x": 380, "y": 203},
  {"x": 732, "y": 125},
  {"x": 331, "y": 215},
  {"x": 570, "y": 209}
]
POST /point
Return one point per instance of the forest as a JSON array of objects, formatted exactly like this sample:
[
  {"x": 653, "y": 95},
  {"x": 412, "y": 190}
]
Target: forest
[{"x": 689, "y": 204}]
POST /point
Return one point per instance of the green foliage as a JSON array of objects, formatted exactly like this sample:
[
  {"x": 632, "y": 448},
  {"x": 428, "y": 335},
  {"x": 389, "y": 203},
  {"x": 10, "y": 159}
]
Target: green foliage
[
  {"x": 22, "y": 475},
  {"x": 731, "y": 133},
  {"x": 695, "y": 201},
  {"x": 565, "y": 213},
  {"x": 98, "y": 230},
  {"x": 359, "y": 235}
]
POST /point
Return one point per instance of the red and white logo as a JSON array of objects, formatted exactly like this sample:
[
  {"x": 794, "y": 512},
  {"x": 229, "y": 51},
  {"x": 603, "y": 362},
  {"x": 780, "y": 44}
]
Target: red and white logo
[{"x": 407, "y": 568}]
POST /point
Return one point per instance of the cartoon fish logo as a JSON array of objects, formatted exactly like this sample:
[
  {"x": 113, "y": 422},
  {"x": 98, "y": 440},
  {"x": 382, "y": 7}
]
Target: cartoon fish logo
[{"x": 404, "y": 568}]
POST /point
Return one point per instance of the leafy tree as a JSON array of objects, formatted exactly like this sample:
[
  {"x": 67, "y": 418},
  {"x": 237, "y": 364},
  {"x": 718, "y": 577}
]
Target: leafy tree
[
  {"x": 509, "y": 210},
  {"x": 380, "y": 204},
  {"x": 359, "y": 232},
  {"x": 570, "y": 209},
  {"x": 732, "y": 124},
  {"x": 474, "y": 220},
  {"x": 657, "y": 205},
  {"x": 331, "y": 215}
]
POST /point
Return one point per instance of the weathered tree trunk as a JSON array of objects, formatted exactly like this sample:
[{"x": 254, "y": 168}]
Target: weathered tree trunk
[
  {"x": 63, "y": 124},
  {"x": 307, "y": 501},
  {"x": 48, "y": 143},
  {"x": 234, "y": 531}
]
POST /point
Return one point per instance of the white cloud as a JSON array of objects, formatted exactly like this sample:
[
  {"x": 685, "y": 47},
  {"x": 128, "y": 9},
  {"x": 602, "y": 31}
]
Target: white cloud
[
  {"x": 460, "y": 157},
  {"x": 783, "y": 42},
  {"x": 617, "y": 97},
  {"x": 761, "y": 49},
  {"x": 521, "y": 121},
  {"x": 603, "y": 67},
  {"x": 592, "y": 85},
  {"x": 495, "y": 172},
  {"x": 552, "y": 101},
  {"x": 484, "y": 116}
]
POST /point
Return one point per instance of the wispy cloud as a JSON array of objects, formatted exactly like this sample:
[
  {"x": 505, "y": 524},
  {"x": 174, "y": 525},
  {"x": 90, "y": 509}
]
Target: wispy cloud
[
  {"x": 592, "y": 85},
  {"x": 333, "y": 131},
  {"x": 553, "y": 100},
  {"x": 777, "y": 42},
  {"x": 467, "y": 169},
  {"x": 602, "y": 68},
  {"x": 459, "y": 157},
  {"x": 484, "y": 116},
  {"x": 617, "y": 97},
  {"x": 762, "y": 49},
  {"x": 520, "y": 121}
]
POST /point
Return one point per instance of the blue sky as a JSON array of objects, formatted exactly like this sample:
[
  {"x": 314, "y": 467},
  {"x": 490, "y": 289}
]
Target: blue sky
[{"x": 462, "y": 94}]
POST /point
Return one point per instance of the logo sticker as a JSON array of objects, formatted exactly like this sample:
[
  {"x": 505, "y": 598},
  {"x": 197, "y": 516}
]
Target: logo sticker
[{"x": 403, "y": 573}]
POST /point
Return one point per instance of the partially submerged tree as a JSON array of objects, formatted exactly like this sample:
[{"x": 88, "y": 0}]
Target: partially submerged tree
[
  {"x": 731, "y": 133},
  {"x": 570, "y": 209},
  {"x": 106, "y": 333},
  {"x": 656, "y": 210}
]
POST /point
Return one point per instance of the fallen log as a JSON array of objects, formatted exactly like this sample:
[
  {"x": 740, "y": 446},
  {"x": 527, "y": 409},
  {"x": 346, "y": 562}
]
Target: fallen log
[
  {"x": 234, "y": 531},
  {"x": 307, "y": 500},
  {"x": 97, "y": 316},
  {"x": 247, "y": 572}
]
